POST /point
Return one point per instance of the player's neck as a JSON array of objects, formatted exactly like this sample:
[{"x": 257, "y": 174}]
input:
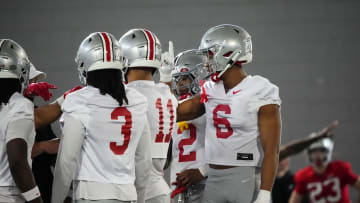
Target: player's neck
[
  {"x": 138, "y": 74},
  {"x": 320, "y": 170},
  {"x": 232, "y": 77}
]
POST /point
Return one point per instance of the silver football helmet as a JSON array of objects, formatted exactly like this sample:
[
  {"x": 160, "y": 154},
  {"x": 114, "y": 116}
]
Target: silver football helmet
[
  {"x": 99, "y": 50},
  {"x": 189, "y": 64},
  {"x": 326, "y": 144},
  {"x": 226, "y": 45},
  {"x": 141, "y": 48},
  {"x": 14, "y": 62}
]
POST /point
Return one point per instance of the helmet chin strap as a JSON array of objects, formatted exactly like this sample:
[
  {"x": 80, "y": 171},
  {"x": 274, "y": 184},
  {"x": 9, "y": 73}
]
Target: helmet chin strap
[{"x": 230, "y": 63}]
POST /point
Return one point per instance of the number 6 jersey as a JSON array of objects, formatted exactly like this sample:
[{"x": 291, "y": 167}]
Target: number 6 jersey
[{"x": 232, "y": 133}]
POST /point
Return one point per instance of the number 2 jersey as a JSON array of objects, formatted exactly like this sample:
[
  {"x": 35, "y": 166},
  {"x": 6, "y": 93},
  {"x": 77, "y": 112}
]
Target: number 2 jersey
[
  {"x": 232, "y": 132},
  {"x": 161, "y": 114},
  {"x": 331, "y": 186},
  {"x": 188, "y": 147}
]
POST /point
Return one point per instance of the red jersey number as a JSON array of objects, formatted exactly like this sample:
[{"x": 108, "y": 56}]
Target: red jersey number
[
  {"x": 221, "y": 123},
  {"x": 125, "y": 130},
  {"x": 160, "y": 136},
  {"x": 187, "y": 141},
  {"x": 317, "y": 188}
]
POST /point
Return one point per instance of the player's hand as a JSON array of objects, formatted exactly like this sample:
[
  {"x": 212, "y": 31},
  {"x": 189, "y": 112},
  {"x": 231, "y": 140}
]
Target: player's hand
[
  {"x": 167, "y": 64},
  {"x": 189, "y": 177},
  {"x": 183, "y": 125},
  {"x": 39, "y": 89}
]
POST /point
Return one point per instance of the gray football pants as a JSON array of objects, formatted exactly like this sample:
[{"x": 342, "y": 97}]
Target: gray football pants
[{"x": 234, "y": 185}]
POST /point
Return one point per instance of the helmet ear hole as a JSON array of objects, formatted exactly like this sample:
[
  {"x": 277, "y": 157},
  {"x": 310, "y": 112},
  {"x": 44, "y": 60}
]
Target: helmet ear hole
[
  {"x": 82, "y": 64},
  {"x": 90, "y": 39}
]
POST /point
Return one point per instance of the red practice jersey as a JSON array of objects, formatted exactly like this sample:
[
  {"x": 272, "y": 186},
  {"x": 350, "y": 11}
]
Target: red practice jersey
[{"x": 329, "y": 187}]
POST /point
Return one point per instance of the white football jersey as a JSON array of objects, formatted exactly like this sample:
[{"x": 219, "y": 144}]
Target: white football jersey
[
  {"x": 161, "y": 114},
  {"x": 188, "y": 147},
  {"x": 112, "y": 134},
  {"x": 17, "y": 108},
  {"x": 232, "y": 133},
  {"x": 162, "y": 119}
]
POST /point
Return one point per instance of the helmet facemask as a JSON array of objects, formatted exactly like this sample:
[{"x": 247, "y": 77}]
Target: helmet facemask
[
  {"x": 320, "y": 152},
  {"x": 189, "y": 69}
]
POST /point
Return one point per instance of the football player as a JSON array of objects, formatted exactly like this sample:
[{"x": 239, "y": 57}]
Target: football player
[
  {"x": 242, "y": 120},
  {"x": 143, "y": 57},
  {"x": 325, "y": 180},
  {"x": 17, "y": 131},
  {"x": 105, "y": 148},
  {"x": 188, "y": 139}
]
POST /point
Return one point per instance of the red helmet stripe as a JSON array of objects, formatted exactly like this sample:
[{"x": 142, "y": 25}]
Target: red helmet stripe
[
  {"x": 107, "y": 47},
  {"x": 151, "y": 43}
]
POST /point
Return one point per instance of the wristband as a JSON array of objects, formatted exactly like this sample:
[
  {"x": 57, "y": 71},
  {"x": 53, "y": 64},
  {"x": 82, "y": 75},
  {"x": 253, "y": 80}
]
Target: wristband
[
  {"x": 31, "y": 194},
  {"x": 264, "y": 196}
]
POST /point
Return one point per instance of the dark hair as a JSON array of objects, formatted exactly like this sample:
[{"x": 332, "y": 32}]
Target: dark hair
[
  {"x": 8, "y": 87},
  {"x": 108, "y": 81}
]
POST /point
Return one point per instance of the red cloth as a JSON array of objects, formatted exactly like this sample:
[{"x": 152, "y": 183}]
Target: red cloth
[{"x": 331, "y": 186}]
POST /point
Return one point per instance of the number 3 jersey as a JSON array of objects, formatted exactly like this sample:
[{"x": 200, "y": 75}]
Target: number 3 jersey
[
  {"x": 188, "y": 147},
  {"x": 162, "y": 118},
  {"x": 331, "y": 186},
  {"x": 112, "y": 134},
  {"x": 232, "y": 132}
]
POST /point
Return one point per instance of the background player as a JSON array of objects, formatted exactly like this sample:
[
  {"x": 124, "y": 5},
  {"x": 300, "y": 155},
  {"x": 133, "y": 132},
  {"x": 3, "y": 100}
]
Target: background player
[
  {"x": 17, "y": 132},
  {"x": 142, "y": 52},
  {"x": 324, "y": 180},
  {"x": 105, "y": 148},
  {"x": 188, "y": 141},
  {"x": 243, "y": 121},
  {"x": 284, "y": 183}
]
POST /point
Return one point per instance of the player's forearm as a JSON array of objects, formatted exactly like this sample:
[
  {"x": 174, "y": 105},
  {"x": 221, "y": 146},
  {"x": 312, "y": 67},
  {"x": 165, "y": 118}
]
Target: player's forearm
[
  {"x": 47, "y": 114},
  {"x": 268, "y": 169},
  {"x": 19, "y": 167},
  {"x": 297, "y": 146},
  {"x": 190, "y": 109}
]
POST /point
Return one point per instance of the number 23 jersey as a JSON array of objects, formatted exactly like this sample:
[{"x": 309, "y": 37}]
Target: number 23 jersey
[
  {"x": 332, "y": 186},
  {"x": 232, "y": 132}
]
